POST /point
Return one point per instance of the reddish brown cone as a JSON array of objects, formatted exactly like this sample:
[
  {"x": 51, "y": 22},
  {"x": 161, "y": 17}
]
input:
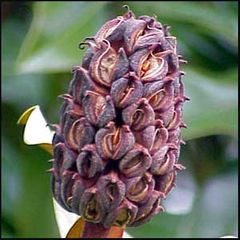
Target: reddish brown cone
[{"x": 117, "y": 145}]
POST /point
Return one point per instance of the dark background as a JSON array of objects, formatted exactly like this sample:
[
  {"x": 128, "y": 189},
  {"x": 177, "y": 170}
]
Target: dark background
[{"x": 39, "y": 48}]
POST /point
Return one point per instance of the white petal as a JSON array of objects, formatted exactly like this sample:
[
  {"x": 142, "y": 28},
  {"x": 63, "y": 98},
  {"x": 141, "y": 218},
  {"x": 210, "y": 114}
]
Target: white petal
[
  {"x": 36, "y": 130},
  {"x": 228, "y": 236},
  {"x": 126, "y": 235},
  {"x": 65, "y": 219}
]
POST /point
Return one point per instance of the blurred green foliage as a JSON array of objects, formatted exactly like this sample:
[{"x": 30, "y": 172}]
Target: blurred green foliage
[{"x": 39, "y": 48}]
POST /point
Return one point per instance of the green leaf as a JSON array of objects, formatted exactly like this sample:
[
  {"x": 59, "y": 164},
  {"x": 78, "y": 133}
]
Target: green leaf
[
  {"x": 14, "y": 30},
  {"x": 214, "y": 19},
  {"x": 27, "y": 207},
  {"x": 56, "y": 30},
  {"x": 212, "y": 108},
  {"x": 29, "y": 88}
]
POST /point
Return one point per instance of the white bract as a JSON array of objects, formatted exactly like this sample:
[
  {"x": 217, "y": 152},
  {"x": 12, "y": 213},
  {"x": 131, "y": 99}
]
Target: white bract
[
  {"x": 65, "y": 220},
  {"x": 36, "y": 130},
  {"x": 228, "y": 236}
]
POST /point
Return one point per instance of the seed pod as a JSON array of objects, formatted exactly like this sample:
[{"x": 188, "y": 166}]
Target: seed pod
[
  {"x": 135, "y": 162},
  {"x": 88, "y": 162},
  {"x": 113, "y": 142},
  {"x": 117, "y": 146}
]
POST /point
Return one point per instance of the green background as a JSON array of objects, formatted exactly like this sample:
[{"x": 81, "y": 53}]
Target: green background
[{"x": 40, "y": 46}]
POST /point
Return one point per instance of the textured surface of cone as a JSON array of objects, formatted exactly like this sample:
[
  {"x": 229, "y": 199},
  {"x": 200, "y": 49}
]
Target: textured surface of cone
[{"x": 117, "y": 144}]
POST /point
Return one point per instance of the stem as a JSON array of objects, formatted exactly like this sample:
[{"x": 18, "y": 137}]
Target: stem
[{"x": 94, "y": 230}]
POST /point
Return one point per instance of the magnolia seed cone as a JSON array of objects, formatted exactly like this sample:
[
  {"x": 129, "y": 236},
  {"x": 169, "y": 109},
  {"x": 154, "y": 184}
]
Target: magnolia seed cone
[{"x": 117, "y": 145}]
